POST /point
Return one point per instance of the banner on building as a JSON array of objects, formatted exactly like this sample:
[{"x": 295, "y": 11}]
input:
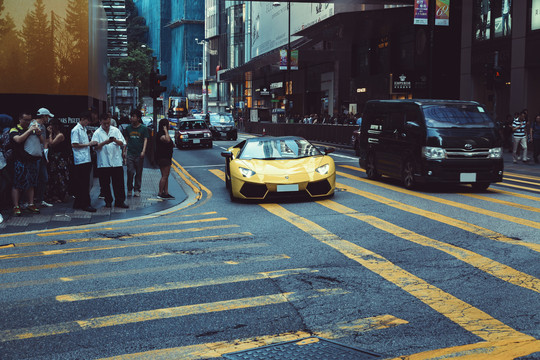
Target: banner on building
[
  {"x": 535, "y": 15},
  {"x": 283, "y": 59},
  {"x": 442, "y": 13},
  {"x": 421, "y": 12}
]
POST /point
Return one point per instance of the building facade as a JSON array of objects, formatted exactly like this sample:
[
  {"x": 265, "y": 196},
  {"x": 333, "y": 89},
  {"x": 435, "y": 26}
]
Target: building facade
[{"x": 174, "y": 27}]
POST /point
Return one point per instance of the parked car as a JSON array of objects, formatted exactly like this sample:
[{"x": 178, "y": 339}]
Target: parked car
[
  {"x": 431, "y": 141},
  {"x": 192, "y": 132},
  {"x": 222, "y": 125},
  {"x": 263, "y": 167}
]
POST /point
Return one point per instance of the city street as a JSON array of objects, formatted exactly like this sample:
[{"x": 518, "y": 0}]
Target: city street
[{"x": 436, "y": 273}]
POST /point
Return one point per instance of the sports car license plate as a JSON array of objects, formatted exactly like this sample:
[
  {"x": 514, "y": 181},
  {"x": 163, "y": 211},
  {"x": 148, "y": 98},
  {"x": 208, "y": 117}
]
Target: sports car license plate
[
  {"x": 467, "y": 177},
  {"x": 290, "y": 187},
  {"x": 196, "y": 141}
]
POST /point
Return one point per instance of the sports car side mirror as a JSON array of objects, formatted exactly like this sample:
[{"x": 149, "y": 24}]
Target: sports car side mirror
[
  {"x": 329, "y": 150},
  {"x": 227, "y": 154}
]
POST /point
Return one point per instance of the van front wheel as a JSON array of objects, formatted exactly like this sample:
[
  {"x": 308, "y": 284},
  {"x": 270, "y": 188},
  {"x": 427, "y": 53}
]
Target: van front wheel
[
  {"x": 371, "y": 169},
  {"x": 408, "y": 175}
]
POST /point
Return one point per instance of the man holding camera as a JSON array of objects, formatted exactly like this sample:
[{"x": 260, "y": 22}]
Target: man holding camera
[{"x": 110, "y": 149}]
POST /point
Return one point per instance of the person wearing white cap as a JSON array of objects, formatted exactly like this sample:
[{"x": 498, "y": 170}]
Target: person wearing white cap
[{"x": 43, "y": 116}]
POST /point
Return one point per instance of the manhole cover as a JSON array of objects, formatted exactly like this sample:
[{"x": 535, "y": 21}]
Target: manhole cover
[{"x": 313, "y": 348}]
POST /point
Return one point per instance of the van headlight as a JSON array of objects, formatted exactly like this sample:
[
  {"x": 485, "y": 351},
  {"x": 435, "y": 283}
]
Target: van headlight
[
  {"x": 323, "y": 170},
  {"x": 433, "y": 153},
  {"x": 496, "y": 153}
]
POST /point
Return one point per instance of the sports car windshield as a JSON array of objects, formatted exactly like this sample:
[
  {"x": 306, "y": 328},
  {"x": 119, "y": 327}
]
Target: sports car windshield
[
  {"x": 273, "y": 149},
  {"x": 460, "y": 116}
]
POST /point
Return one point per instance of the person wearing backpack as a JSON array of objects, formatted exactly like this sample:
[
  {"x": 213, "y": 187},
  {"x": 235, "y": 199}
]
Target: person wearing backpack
[{"x": 25, "y": 166}]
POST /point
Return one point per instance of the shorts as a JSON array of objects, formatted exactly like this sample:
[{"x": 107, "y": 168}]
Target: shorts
[{"x": 25, "y": 174}]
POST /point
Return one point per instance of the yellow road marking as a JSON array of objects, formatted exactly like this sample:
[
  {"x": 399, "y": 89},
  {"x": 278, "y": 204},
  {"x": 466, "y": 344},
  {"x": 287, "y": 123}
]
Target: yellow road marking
[
  {"x": 503, "y": 202},
  {"x": 470, "y": 318},
  {"x": 492, "y": 267},
  {"x": 114, "y": 274},
  {"x": 372, "y": 323},
  {"x": 520, "y": 221},
  {"x": 181, "y": 285},
  {"x": 530, "y": 177},
  {"x": 112, "y": 247},
  {"x": 493, "y": 235},
  {"x": 522, "y": 181},
  {"x": 219, "y": 173},
  {"x": 160, "y": 314},
  {"x": 130, "y": 227},
  {"x": 523, "y": 196},
  {"x": 497, "y": 350},
  {"x": 519, "y": 187}
]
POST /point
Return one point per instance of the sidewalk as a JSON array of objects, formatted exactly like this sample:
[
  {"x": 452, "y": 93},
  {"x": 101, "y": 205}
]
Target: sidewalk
[{"x": 63, "y": 214}]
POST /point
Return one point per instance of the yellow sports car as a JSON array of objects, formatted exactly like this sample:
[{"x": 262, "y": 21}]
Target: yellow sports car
[{"x": 263, "y": 167}]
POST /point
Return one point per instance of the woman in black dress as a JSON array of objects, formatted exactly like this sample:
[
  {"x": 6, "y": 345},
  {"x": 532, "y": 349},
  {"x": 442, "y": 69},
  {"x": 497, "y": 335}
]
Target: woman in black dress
[
  {"x": 164, "y": 151},
  {"x": 58, "y": 156}
]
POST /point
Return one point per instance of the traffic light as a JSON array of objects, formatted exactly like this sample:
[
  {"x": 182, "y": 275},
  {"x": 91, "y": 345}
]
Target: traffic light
[
  {"x": 498, "y": 75},
  {"x": 155, "y": 84}
]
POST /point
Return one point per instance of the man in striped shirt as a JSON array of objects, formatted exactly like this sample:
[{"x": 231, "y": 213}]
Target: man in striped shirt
[{"x": 520, "y": 137}]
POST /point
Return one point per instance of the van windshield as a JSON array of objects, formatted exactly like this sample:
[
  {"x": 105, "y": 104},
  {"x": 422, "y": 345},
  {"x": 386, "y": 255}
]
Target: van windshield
[{"x": 458, "y": 115}]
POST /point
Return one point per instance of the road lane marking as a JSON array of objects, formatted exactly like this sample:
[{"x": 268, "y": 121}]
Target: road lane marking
[
  {"x": 515, "y": 194},
  {"x": 217, "y": 349},
  {"x": 72, "y": 232},
  {"x": 503, "y": 202},
  {"x": 522, "y": 176},
  {"x": 493, "y": 235},
  {"x": 487, "y": 265},
  {"x": 161, "y": 314},
  {"x": 118, "y": 246},
  {"x": 181, "y": 285},
  {"x": 496, "y": 350},
  {"x": 520, "y": 221},
  {"x": 120, "y": 273},
  {"x": 519, "y": 187},
  {"x": 197, "y": 187},
  {"x": 465, "y": 315}
]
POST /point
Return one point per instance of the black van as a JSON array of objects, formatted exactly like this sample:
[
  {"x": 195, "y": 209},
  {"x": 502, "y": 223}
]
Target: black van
[{"x": 431, "y": 141}]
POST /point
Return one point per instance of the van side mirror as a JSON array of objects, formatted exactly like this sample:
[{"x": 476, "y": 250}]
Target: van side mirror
[{"x": 412, "y": 125}]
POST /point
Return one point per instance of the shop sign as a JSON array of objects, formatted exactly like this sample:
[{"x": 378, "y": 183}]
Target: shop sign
[
  {"x": 401, "y": 84},
  {"x": 265, "y": 92},
  {"x": 276, "y": 85},
  {"x": 421, "y": 12}
]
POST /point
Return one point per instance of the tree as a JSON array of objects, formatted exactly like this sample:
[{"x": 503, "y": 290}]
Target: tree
[
  {"x": 77, "y": 68},
  {"x": 11, "y": 58}
]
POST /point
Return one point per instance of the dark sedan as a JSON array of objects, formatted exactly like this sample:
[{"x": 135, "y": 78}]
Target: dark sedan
[{"x": 192, "y": 132}]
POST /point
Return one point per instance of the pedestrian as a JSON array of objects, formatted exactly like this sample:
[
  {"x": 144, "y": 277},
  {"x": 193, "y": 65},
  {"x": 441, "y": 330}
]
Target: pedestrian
[
  {"x": 82, "y": 168},
  {"x": 535, "y": 136},
  {"x": 110, "y": 153},
  {"x": 58, "y": 155},
  {"x": 137, "y": 139},
  {"x": 164, "y": 152},
  {"x": 25, "y": 162},
  {"x": 43, "y": 117},
  {"x": 519, "y": 136}
]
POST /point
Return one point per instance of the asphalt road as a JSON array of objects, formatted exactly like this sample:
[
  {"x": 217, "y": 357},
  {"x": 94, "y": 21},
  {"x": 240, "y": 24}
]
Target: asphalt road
[{"x": 435, "y": 273}]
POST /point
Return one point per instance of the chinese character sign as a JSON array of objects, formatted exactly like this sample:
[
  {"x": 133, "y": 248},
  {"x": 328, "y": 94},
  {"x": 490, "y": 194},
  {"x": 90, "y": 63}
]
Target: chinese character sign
[{"x": 421, "y": 12}]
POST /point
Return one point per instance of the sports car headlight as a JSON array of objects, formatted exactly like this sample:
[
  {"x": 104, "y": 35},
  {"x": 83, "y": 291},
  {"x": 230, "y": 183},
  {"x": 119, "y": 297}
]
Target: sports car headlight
[
  {"x": 246, "y": 172},
  {"x": 323, "y": 170},
  {"x": 496, "y": 153},
  {"x": 433, "y": 153}
]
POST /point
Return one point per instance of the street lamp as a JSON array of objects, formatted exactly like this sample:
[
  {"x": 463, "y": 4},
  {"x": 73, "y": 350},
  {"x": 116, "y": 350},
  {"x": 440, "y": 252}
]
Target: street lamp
[
  {"x": 288, "y": 85},
  {"x": 204, "y": 89}
]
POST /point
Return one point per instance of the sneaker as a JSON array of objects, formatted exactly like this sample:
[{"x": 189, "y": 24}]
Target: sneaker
[
  {"x": 169, "y": 196},
  {"x": 129, "y": 193},
  {"x": 33, "y": 209},
  {"x": 122, "y": 206},
  {"x": 161, "y": 197},
  {"x": 89, "y": 209},
  {"x": 137, "y": 194},
  {"x": 514, "y": 161},
  {"x": 45, "y": 204},
  {"x": 17, "y": 211}
]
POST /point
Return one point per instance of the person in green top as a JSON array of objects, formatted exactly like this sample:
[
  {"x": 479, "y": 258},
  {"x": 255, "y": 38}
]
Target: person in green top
[{"x": 136, "y": 136}]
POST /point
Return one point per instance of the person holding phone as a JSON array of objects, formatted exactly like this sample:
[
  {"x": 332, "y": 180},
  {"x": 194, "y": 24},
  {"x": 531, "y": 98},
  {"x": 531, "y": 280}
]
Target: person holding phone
[
  {"x": 109, "y": 149},
  {"x": 163, "y": 157}
]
